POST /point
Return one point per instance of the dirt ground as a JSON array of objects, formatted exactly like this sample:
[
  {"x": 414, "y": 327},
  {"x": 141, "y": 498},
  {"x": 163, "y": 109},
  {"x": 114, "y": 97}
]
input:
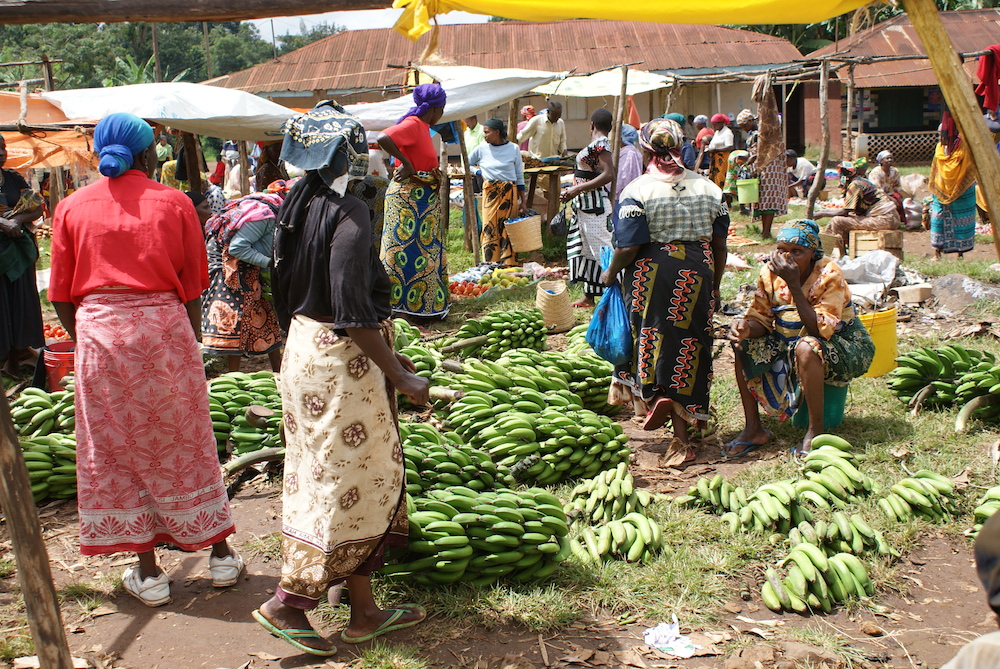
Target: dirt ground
[{"x": 943, "y": 608}]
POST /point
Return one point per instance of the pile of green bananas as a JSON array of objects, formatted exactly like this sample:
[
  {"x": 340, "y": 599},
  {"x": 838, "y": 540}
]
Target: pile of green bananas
[
  {"x": 486, "y": 375},
  {"x": 815, "y": 581},
  {"x": 51, "y": 462},
  {"x": 551, "y": 443},
  {"x": 830, "y": 465},
  {"x": 497, "y": 332},
  {"x": 633, "y": 538},
  {"x": 229, "y": 395},
  {"x": 772, "y": 507},
  {"x": 978, "y": 392},
  {"x": 931, "y": 376},
  {"x": 405, "y": 334},
  {"x": 987, "y": 506},
  {"x": 588, "y": 375},
  {"x": 37, "y": 413},
  {"x": 424, "y": 359},
  {"x": 842, "y": 534},
  {"x": 576, "y": 340},
  {"x": 925, "y": 494},
  {"x": 609, "y": 496},
  {"x": 460, "y": 534},
  {"x": 435, "y": 462}
]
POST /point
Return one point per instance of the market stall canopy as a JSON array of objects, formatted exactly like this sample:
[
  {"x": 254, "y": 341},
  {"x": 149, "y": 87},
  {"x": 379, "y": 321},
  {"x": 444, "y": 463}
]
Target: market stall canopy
[
  {"x": 604, "y": 84},
  {"x": 195, "y": 108},
  {"x": 49, "y": 148},
  {"x": 38, "y": 110},
  {"x": 471, "y": 90}
]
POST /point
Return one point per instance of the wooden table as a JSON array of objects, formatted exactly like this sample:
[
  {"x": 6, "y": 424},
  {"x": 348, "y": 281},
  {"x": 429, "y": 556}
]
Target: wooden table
[{"x": 554, "y": 174}]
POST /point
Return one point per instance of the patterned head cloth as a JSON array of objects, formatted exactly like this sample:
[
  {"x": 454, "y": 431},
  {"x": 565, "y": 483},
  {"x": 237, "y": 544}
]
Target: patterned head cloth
[
  {"x": 882, "y": 155},
  {"x": 744, "y": 116},
  {"x": 860, "y": 162},
  {"x": 324, "y": 138},
  {"x": 629, "y": 135},
  {"x": 847, "y": 169},
  {"x": 663, "y": 138},
  {"x": 528, "y": 112},
  {"x": 803, "y": 232},
  {"x": 700, "y": 118}
]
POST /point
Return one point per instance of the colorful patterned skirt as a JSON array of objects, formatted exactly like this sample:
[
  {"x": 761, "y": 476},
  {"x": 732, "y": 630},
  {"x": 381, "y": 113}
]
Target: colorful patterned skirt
[
  {"x": 953, "y": 225},
  {"x": 343, "y": 500},
  {"x": 236, "y": 318},
  {"x": 147, "y": 465},
  {"x": 773, "y": 188},
  {"x": 589, "y": 229},
  {"x": 413, "y": 250},
  {"x": 500, "y": 201},
  {"x": 668, "y": 292},
  {"x": 769, "y": 361},
  {"x": 718, "y": 167}
]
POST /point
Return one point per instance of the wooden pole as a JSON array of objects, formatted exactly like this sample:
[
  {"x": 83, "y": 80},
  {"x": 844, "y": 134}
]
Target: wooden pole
[
  {"x": 824, "y": 150},
  {"x": 157, "y": 73},
  {"x": 191, "y": 163},
  {"x": 445, "y": 189},
  {"x": 33, "y": 573},
  {"x": 957, "y": 90},
  {"x": 512, "y": 114},
  {"x": 469, "y": 204},
  {"x": 50, "y": 84},
  {"x": 850, "y": 112},
  {"x": 616, "y": 133},
  {"x": 244, "y": 168},
  {"x": 208, "y": 52}
]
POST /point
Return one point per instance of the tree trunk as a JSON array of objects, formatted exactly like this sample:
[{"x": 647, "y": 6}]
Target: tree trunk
[{"x": 824, "y": 151}]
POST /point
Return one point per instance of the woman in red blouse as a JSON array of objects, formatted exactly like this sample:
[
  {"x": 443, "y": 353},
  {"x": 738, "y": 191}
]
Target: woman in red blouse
[
  {"x": 128, "y": 270},
  {"x": 413, "y": 233}
]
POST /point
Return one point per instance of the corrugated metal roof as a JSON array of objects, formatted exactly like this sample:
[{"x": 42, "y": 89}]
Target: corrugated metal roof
[
  {"x": 969, "y": 30},
  {"x": 359, "y": 59}
]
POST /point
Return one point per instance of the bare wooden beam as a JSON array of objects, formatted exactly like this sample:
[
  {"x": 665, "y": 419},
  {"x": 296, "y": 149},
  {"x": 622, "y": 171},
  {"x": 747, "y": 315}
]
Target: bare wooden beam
[
  {"x": 824, "y": 149},
  {"x": 957, "y": 90},
  {"x": 170, "y": 11}
]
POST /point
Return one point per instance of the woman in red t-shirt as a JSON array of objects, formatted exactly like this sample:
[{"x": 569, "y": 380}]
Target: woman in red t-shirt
[
  {"x": 413, "y": 233},
  {"x": 128, "y": 270}
]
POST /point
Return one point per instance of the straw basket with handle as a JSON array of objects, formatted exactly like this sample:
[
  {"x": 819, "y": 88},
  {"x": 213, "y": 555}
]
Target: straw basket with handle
[
  {"x": 552, "y": 299},
  {"x": 525, "y": 234}
]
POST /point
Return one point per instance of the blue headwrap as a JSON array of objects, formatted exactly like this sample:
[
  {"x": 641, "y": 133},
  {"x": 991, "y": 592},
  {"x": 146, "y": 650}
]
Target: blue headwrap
[
  {"x": 629, "y": 134},
  {"x": 118, "y": 138},
  {"x": 426, "y": 96},
  {"x": 803, "y": 232}
]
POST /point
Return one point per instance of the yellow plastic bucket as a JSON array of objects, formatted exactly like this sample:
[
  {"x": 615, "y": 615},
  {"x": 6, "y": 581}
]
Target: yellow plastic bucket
[
  {"x": 747, "y": 191},
  {"x": 882, "y": 328}
]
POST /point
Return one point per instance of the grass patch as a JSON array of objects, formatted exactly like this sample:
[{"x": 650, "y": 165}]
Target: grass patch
[
  {"x": 7, "y": 568},
  {"x": 267, "y": 547},
  {"x": 949, "y": 264},
  {"x": 826, "y": 638},
  {"x": 88, "y": 595},
  {"x": 385, "y": 656},
  {"x": 17, "y": 645}
]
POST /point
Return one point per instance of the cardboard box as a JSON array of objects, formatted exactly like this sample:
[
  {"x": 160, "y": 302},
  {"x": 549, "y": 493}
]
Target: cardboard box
[
  {"x": 862, "y": 241},
  {"x": 915, "y": 294}
]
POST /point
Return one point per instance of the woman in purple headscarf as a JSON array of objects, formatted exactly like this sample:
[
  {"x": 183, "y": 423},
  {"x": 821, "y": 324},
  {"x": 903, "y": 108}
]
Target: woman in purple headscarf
[{"x": 413, "y": 232}]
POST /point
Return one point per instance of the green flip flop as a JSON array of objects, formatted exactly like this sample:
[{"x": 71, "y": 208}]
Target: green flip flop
[
  {"x": 390, "y": 623},
  {"x": 291, "y": 636}
]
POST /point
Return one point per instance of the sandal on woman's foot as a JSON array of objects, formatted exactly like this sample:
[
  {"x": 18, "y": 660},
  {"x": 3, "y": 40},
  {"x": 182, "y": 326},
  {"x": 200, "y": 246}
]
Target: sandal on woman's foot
[
  {"x": 390, "y": 623},
  {"x": 746, "y": 447},
  {"x": 659, "y": 414},
  {"x": 291, "y": 636}
]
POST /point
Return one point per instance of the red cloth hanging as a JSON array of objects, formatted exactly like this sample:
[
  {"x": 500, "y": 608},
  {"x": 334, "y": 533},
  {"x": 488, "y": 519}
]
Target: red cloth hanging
[
  {"x": 633, "y": 114},
  {"x": 988, "y": 74}
]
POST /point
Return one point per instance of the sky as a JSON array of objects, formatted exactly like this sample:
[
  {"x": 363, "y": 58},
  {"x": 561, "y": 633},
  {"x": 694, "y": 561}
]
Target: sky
[{"x": 367, "y": 18}]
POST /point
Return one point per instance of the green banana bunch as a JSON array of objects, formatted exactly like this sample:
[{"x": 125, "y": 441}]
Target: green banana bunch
[
  {"x": 576, "y": 340},
  {"x": 588, "y": 375},
  {"x": 477, "y": 537},
  {"x": 987, "y": 506},
  {"x": 436, "y": 461},
  {"x": 229, "y": 395},
  {"x": 815, "y": 581},
  {"x": 497, "y": 332},
  {"x": 830, "y": 466},
  {"x": 610, "y": 496},
  {"x": 485, "y": 375},
  {"x": 37, "y": 413},
  {"x": 978, "y": 392},
  {"x": 842, "y": 534},
  {"x": 926, "y": 494},
  {"x": 633, "y": 538},
  {"x": 404, "y": 334},
  {"x": 51, "y": 464},
  {"x": 772, "y": 507},
  {"x": 934, "y": 376}
]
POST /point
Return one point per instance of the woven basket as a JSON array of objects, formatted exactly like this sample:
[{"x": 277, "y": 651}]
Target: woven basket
[
  {"x": 555, "y": 305},
  {"x": 525, "y": 235}
]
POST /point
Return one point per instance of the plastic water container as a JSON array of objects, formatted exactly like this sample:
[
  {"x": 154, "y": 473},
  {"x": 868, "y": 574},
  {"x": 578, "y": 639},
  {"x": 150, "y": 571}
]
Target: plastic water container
[
  {"x": 882, "y": 328},
  {"x": 834, "y": 401},
  {"x": 747, "y": 191},
  {"x": 58, "y": 358}
]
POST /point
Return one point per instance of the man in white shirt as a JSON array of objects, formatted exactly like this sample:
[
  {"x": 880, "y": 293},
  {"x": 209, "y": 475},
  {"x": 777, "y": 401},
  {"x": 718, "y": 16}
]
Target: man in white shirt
[
  {"x": 801, "y": 174},
  {"x": 546, "y": 133}
]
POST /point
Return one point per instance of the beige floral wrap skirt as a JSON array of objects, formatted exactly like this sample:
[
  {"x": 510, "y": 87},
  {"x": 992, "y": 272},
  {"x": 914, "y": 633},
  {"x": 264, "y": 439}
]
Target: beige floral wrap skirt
[{"x": 343, "y": 502}]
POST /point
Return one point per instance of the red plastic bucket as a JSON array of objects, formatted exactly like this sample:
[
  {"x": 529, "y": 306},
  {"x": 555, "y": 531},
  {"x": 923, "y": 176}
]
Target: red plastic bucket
[{"x": 58, "y": 359}]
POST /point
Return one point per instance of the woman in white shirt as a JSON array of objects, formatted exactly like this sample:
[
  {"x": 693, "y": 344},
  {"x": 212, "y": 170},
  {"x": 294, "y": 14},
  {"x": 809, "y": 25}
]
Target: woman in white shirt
[
  {"x": 723, "y": 142},
  {"x": 503, "y": 189}
]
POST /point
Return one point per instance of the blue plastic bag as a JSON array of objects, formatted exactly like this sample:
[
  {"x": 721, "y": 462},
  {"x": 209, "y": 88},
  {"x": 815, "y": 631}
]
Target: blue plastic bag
[{"x": 610, "y": 331}]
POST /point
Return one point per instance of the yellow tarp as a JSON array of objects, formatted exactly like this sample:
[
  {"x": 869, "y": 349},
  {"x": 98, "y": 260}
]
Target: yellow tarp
[{"x": 416, "y": 19}]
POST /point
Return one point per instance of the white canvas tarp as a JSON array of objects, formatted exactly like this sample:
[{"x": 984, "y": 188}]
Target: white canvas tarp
[
  {"x": 607, "y": 84},
  {"x": 471, "y": 91},
  {"x": 196, "y": 108}
]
